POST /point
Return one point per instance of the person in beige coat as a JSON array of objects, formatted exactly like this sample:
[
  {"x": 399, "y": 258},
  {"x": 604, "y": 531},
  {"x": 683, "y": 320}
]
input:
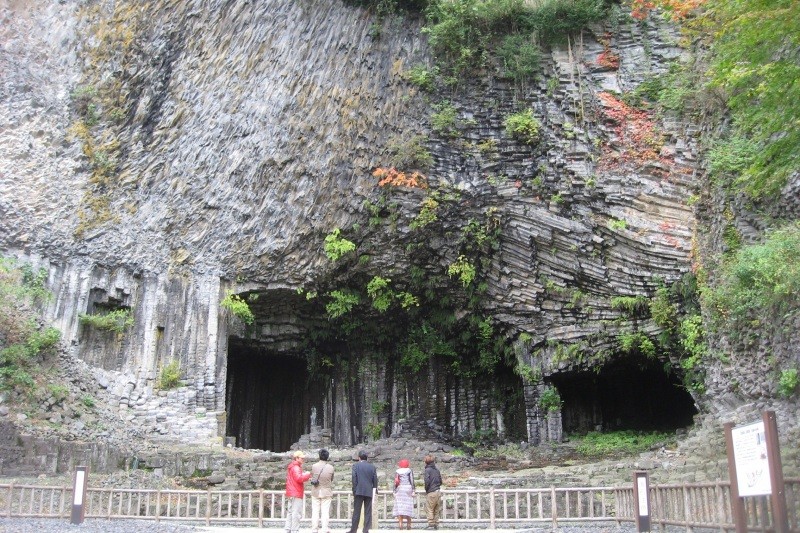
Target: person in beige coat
[{"x": 321, "y": 493}]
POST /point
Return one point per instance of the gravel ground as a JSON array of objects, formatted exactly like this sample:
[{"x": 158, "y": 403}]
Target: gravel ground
[
  {"x": 53, "y": 525},
  {"x": 39, "y": 525}
]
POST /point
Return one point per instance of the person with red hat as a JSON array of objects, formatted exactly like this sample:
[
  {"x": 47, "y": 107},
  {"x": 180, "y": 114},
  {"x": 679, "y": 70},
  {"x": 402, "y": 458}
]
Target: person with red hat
[{"x": 404, "y": 493}]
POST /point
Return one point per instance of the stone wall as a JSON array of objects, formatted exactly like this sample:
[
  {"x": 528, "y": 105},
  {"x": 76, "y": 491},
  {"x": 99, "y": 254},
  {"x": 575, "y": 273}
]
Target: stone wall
[{"x": 26, "y": 455}]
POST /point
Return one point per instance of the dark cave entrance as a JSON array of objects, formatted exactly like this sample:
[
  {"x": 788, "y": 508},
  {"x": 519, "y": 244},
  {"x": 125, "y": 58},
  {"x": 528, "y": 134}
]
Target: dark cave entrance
[
  {"x": 624, "y": 395},
  {"x": 268, "y": 397}
]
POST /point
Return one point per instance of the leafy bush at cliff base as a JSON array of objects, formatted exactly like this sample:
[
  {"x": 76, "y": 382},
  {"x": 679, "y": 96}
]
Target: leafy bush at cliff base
[
  {"x": 117, "y": 320},
  {"x": 596, "y": 444},
  {"x": 23, "y": 343},
  {"x": 760, "y": 283},
  {"x": 788, "y": 381},
  {"x": 169, "y": 376}
]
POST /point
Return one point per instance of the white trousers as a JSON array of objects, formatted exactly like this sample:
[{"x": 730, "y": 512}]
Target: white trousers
[
  {"x": 293, "y": 514},
  {"x": 320, "y": 512}
]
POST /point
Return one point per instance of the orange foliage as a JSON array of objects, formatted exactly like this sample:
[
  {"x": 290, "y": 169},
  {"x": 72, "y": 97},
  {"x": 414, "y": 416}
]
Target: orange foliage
[
  {"x": 637, "y": 139},
  {"x": 395, "y": 178},
  {"x": 607, "y": 58},
  {"x": 679, "y": 9}
]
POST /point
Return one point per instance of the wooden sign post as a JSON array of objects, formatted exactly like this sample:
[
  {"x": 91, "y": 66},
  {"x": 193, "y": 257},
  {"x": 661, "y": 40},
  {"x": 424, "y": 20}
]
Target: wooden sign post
[
  {"x": 641, "y": 499},
  {"x": 754, "y": 467},
  {"x": 79, "y": 494}
]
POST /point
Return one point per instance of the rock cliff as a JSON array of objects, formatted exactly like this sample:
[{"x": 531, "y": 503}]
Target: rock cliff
[{"x": 159, "y": 156}]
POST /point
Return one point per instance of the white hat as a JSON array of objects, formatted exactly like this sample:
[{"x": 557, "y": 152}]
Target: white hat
[{"x": 299, "y": 455}]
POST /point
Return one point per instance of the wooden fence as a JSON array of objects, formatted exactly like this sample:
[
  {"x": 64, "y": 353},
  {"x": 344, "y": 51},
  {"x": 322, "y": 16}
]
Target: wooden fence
[{"x": 696, "y": 505}]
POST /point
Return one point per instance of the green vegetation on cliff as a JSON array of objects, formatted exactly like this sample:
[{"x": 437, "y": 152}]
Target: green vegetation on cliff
[
  {"x": 23, "y": 342},
  {"x": 755, "y": 66}
]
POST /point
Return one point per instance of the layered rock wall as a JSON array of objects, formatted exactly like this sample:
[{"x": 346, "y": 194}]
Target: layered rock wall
[{"x": 224, "y": 141}]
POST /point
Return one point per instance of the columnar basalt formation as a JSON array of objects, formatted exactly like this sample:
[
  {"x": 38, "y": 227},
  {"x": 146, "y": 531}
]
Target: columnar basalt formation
[{"x": 241, "y": 134}]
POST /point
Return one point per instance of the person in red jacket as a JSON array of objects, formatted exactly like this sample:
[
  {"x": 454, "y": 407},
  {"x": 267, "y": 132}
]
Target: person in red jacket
[{"x": 295, "y": 478}]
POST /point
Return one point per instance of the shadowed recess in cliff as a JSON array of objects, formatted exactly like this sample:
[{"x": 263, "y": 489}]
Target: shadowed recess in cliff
[
  {"x": 269, "y": 398},
  {"x": 624, "y": 395}
]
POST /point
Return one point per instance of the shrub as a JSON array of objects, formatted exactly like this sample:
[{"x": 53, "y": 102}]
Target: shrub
[
  {"x": 410, "y": 154},
  {"x": 169, "y": 376},
  {"x": 88, "y": 401},
  {"x": 692, "y": 339},
  {"x": 463, "y": 269},
  {"x": 462, "y": 32},
  {"x": 444, "y": 119},
  {"x": 630, "y": 342},
  {"x": 757, "y": 72},
  {"x": 761, "y": 281},
  {"x": 422, "y": 77},
  {"x": 555, "y": 19},
  {"x": 58, "y": 391},
  {"x": 337, "y": 246},
  {"x": 662, "y": 310},
  {"x": 427, "y": 214},
  {"x": 787, "y": 384},
  {"x": 550, "y": 399},
  {"x": 521, "y": 57},
  {"x": 374, "y": 430},
  {"x": 630, "y": 305},
  {"x": 24, "y": 342},
  {"x": 342, "y": 302},
  {"x": 379, "y": 289},
  {"x": 238, "y": 307},
  {"x": 523, "y": 126},
  {"x": 731, "y": 156},
  {"x": 617, "y": 224},
  {"x": 117, "y": 320}
]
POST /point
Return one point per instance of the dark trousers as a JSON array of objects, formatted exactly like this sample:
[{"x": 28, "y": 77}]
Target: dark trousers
[{"x": 358, "y": 503}]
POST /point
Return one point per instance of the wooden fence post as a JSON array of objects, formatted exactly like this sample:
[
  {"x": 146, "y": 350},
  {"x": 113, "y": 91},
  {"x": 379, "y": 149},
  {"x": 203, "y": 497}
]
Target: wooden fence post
[
  {"x": 491, "y": 507},
  {"x": 721, "y": 515},
  {"x": 553, "y": 506},
  {"x": 208, "y": 506},
  {"x": 686, "y": 506},
  {"x": 780, "y": 515},
  {"x": 261, "y": 508}
]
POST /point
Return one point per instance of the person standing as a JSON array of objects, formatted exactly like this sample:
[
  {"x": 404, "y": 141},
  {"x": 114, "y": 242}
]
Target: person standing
[
  {"x": 295, "y": 477},
  {"x": 365, "y": 482},
  {"x": 321, "y": 493},
  {"x": 403, "y": 494},
  {"x": 433, "y": 482}
]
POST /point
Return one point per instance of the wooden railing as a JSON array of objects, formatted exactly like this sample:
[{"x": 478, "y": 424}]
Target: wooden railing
[{"x": 705, "y": 505}]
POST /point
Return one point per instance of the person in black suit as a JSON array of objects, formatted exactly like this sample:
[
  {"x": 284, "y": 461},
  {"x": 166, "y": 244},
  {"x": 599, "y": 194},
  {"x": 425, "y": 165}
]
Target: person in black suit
[{"x": 365, "y": 481}]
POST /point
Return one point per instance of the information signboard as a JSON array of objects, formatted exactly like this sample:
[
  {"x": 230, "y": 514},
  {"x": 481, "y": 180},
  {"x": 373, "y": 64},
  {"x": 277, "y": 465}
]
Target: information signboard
[{"x": 752, "y": 463}]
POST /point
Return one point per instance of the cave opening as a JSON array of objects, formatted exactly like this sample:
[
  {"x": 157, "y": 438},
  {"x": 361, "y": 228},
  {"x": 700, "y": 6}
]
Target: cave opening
[
  {"x": 624, "y": 395},
  {"x": 269, "y": 397}
]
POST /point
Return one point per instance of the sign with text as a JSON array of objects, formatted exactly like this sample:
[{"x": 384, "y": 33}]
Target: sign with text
[
  {"x": 641, "y": 494},
  {"x": 78, "y": 493},
  {"x": 750, "y": 455}
]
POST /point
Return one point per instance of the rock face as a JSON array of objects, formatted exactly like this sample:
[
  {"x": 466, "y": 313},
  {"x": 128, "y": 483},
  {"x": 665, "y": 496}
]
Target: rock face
[{"x": 160, "y": 156}]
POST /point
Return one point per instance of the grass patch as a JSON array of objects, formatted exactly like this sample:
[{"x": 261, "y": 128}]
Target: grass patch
[{"x": 598, "y": 445}]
